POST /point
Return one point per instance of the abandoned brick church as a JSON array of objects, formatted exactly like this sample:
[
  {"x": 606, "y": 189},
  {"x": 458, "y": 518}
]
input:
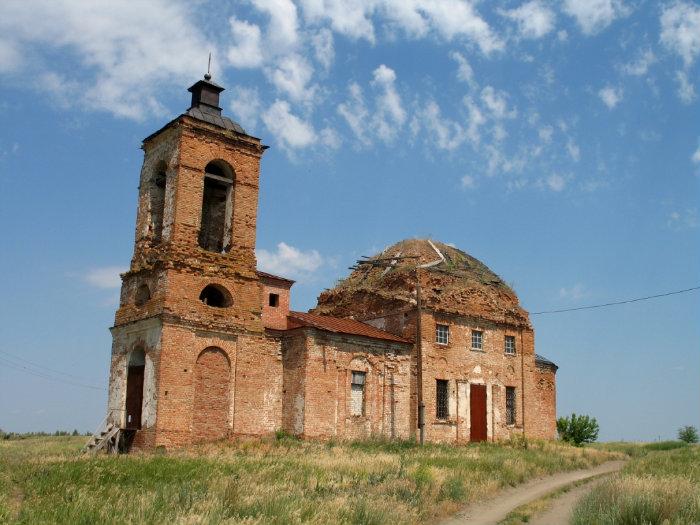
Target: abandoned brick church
[{"x": 419, "y": 340}]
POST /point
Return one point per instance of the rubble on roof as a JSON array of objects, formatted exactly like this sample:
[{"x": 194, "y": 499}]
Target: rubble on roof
[{"x": 452, "y": 282}]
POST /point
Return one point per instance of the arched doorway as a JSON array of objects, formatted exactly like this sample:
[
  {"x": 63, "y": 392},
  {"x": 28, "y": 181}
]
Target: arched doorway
[
  {"x": 134, "y": 388},
  {"x": 211, "y": 395}
]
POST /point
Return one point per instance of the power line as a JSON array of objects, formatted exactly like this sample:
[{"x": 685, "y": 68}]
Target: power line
[
  {"x": 20, "y": 368},
  {"x": 36, "y": 365},
  {"x": 626, "y": 301}
]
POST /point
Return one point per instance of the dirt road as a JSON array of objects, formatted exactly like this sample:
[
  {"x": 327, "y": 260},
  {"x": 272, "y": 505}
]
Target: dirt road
[
  {"x": 494, "y": 510},
  {"x": 560, "y": 511}
]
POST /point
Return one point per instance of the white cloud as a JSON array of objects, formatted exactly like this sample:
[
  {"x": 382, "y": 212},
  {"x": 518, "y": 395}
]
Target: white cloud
[
  {"x": 476, "y": 120},
  {"x": 291, "y": 131},
  {"x": 245, "y": 104},
  {"x": 447, "y": 134},
  {"x": 611, "y": 96},
  {"x": 120, "y": 53},
  {"x": 324, "y": 51},
  {"x": 684, "y": 219},
  {"x": 593, "y": 16},
  {"x": 555, "y": 182},
  {"x": 106, "y": 277},
  {"x": 545, "y": 134},
  {"x": 330, "y": 138},
  {"x": 246, "y": 50},
  {"x": 289, "y": 261},
  {"x": 292, "y": 75},
  {"x": 282, "y": 31},
  {"x": 680, "y": 30},
  {"x": 641, "y": 65},
  {"x": 573, "y": 150},
  {"x": 686, "y": 90},
  {"x": 10, "y": 57},
  {"x": 451, "y": 19},
  {"x": 497, "y": 103},
  {"x": 468, "y": 182},
  {"x": 696, "y": 156},
  {"x": 389, "y": 115},
  {"x": 534, "y": 19},
  {"x": 577, "y": 291},
  {"x": 465, "y": 73}
]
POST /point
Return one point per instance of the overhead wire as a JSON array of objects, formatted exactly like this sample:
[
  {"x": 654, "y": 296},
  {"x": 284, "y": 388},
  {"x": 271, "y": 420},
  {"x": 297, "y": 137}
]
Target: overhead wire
[
  {"x": 8, "y": 364},
  {"x": 614, "y": 303}
]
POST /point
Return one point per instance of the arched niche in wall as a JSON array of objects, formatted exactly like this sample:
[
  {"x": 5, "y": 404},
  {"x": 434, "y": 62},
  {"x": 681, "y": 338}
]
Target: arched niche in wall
[
  {"x": 143, "y": 295},
  {"x": 216, "y": 296},
  {"x": 217, "y": 207},
  {"x": 212, "y": 395}
]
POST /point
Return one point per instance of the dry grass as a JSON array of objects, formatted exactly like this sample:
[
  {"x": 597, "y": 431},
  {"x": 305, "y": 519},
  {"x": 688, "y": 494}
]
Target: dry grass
[
  {"x": 662, "y": 486},
  {"x": 45, "y": 480}
]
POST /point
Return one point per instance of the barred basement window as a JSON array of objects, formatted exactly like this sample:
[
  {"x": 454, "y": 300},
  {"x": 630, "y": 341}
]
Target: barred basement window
[
  {"x": 357, "y": 393},
  {"x": 442, "y": 407},
  {"x": 510, "y": 405},
  {"x": 442, "y": 334},
  {"x": 510, "y": 345},
  {"x": 477, "y": 340}
]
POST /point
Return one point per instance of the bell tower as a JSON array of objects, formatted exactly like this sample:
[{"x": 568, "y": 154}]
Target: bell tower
[{"x": 191, "y": 301}]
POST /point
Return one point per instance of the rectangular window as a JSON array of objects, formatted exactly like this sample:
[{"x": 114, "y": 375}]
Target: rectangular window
[
  {"x": 442, "y": 334},
  {"x": 442, "y": 407},
  {"x": 274, "y": 300},
  {"x": 477, "y": 340},
  {"x": 357, "y": 394},
  {"x": 510, "y": 405},
  {"x": 510, "y": 345}
]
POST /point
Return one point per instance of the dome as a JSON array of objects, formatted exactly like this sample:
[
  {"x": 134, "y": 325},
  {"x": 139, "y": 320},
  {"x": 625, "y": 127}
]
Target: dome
[{"x": 452, "y": 282}]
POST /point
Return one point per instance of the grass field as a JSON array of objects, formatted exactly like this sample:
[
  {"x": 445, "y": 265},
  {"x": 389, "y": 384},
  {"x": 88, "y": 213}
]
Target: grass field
[
  {"x": 46, "y": 480},
  {"x": 661, "y": 484}
]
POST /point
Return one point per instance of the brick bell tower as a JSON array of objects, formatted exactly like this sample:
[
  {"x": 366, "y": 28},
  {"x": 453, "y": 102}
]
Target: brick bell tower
[{"x": 189, "y": 318}]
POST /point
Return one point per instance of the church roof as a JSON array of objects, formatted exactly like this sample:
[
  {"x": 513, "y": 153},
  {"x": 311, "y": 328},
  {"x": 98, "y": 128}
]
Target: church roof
[
  {"x": 452, "y": 281},
  {"x": 341, "y": 326},
  {"x": 217, "y": 120}
]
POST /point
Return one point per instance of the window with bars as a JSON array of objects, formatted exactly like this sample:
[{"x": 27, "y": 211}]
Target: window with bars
[
  {"x": 442, "y": 406},
  {"x": 477, "y": 340},
  {"x": 357, "y": 393},
  {"x": 442, "y": 334},
  {"x": 510, "y": 345},
  {"x": 510, "y": 405}
]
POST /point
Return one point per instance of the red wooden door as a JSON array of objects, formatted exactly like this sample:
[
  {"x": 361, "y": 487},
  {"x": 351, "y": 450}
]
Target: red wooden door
[
  {"x": 134, "y": 396},
  {"x": 477, "y": 411}
]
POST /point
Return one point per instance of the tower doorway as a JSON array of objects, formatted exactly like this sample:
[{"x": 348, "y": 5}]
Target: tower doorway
[{"x": 134, "y": 389}]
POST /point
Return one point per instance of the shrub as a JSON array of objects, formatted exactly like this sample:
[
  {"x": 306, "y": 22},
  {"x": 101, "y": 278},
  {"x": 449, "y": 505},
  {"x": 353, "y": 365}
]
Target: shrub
[
  {"x": 688, "y": 434},
  {"x": 577, "y": 429}
]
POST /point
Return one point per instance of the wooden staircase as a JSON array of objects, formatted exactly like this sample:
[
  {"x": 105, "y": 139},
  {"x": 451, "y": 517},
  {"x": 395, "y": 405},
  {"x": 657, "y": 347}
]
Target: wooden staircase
[{"x": 106, "y": 439}]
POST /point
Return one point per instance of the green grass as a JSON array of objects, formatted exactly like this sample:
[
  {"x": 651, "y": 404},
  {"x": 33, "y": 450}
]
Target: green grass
[
  {"x": 276, "y": 480},
  {"x": 660, "y": 485}
]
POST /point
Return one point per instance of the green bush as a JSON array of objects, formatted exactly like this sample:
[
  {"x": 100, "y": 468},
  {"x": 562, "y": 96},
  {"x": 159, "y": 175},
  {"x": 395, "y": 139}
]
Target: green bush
[
  {"x": 577, "y": 429},
  {"x": 688, "y": 434}
]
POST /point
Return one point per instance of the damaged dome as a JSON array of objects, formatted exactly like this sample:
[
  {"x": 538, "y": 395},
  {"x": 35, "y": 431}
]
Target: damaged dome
[{"x": 452, "y": 282}]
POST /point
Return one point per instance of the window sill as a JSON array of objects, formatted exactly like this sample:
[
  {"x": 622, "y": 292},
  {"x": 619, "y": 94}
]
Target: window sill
[
  {"x": 478, "y": 350},
  {"x": 448, "y": 422},
  {"x": 510, "y": 355}
]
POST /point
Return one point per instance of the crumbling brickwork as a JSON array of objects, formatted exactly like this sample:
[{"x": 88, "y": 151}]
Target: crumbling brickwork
[{"x": 205, "y": 346}]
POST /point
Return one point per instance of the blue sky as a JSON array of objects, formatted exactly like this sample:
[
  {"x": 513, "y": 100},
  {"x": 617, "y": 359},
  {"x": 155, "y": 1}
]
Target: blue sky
[{"x": 558, "y": 142}]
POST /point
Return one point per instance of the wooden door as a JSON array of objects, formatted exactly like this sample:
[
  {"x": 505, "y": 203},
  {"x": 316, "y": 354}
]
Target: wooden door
[
  {"x": 134, "y": 396},
  {"x": 477, "y": 410}
]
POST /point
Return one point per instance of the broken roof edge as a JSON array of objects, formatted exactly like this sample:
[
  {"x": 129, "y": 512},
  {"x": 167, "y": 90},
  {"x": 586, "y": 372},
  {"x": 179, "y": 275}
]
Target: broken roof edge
[
  {"x": 341, "y": 325},
  {"x": 177, "y": 119},
  {"x": 543, "y": 361},
  {"x": 274, "y": 277}
]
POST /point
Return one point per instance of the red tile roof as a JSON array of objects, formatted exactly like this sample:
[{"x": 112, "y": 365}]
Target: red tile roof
[{"x": 341, "y": 326}]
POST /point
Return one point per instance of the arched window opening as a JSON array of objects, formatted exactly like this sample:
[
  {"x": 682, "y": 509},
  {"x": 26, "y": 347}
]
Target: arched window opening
[
  {"x": 157, "y": 195},
  {"x": 143, "y": 295},
  {"x": 134, "y": 388},
  {"x": 217, "y": 207},
  {"x": 216, "y": 296}
]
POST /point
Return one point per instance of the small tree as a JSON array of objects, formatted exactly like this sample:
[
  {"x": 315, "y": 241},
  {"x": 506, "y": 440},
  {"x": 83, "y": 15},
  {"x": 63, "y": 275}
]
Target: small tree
[
  {"x": 688, "y": 434},
  {"x": 577, "y": 429}
]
